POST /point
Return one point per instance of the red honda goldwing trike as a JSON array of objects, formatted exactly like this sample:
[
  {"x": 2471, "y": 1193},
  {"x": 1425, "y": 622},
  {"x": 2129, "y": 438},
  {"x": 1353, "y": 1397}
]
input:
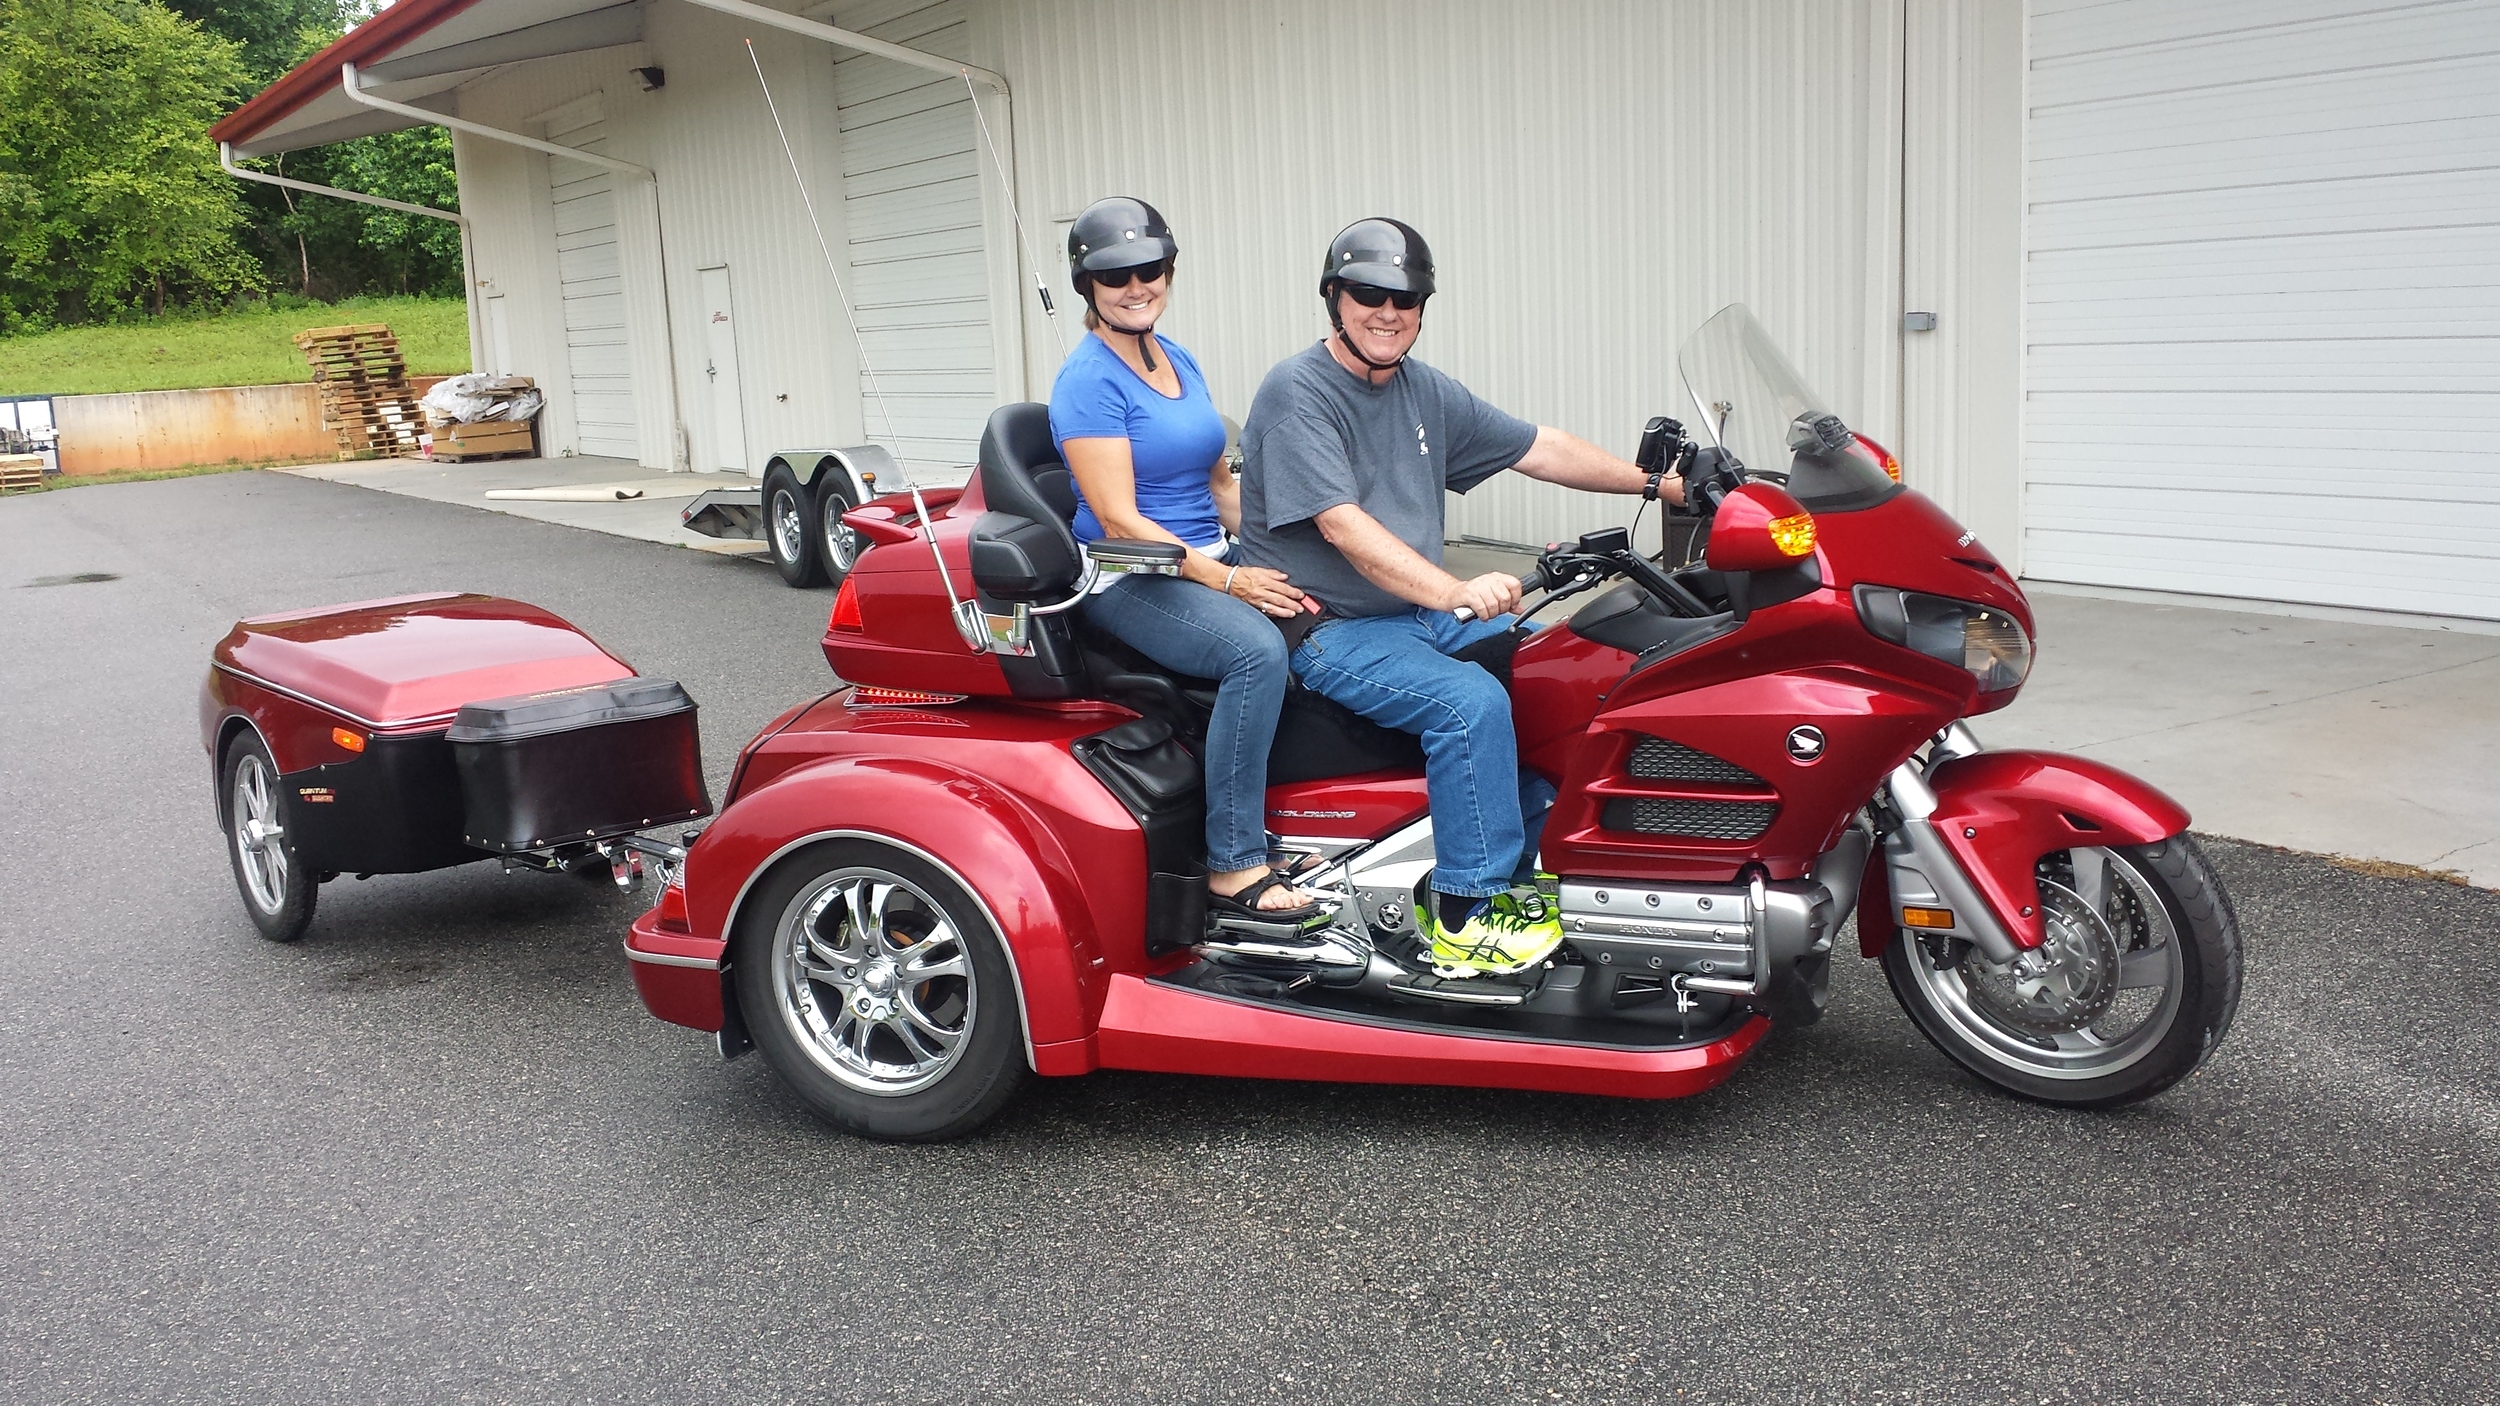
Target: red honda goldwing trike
[{"x": 983, "y": 856}]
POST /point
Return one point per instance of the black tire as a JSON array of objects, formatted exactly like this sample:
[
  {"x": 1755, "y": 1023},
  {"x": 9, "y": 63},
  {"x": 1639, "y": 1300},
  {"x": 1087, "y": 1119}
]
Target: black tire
[
  {"x": 837, "y": 547},
  {"x": 278, "y": 889},
  {"x": 788, "y": 533},
  {"x": 2200, "y": 993},
  {"x": 808, "y": 1029}
]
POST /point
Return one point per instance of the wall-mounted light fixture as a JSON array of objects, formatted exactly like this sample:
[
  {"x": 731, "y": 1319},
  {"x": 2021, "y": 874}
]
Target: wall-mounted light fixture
[{"x": 653, "y": 79}]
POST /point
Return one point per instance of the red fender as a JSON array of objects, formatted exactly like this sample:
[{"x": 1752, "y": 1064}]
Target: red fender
[
  {"x": 1010, "y": 863},
  {"x": 2000, "y": 811}
]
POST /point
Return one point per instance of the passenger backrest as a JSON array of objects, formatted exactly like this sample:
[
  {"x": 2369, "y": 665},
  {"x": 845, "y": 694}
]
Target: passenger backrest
[{"x": 1023, "y": 548}]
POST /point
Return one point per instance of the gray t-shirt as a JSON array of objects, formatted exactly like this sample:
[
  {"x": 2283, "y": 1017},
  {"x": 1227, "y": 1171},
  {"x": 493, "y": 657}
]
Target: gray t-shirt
[{"x": 1319, "y": 435}]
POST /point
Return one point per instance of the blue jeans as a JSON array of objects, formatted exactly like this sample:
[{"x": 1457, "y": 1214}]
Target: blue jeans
[
  {"x": 1193, "y": 629},
  {"x": 1396, "y": 671}
]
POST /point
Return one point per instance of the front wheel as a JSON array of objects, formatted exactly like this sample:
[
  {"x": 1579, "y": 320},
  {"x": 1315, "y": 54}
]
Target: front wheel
[
  {"x": 2134, "y": 986},
  {"x": 879, "y": 992}
]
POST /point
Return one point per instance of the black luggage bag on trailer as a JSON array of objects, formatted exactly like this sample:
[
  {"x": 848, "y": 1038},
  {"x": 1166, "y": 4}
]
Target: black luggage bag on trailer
[{"x": 578, "y": 764}]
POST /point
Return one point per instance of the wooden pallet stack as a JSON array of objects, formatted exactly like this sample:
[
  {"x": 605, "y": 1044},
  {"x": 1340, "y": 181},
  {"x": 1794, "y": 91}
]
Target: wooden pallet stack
[
  {"x": 365, "y": 395},
  {"x": 20, "y": 472},
  {"x": 460, "y": 441}
]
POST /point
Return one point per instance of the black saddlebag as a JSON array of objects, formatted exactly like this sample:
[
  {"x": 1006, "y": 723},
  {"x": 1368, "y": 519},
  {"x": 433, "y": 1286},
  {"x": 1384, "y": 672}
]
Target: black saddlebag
[{"x": 577, "y": 764}]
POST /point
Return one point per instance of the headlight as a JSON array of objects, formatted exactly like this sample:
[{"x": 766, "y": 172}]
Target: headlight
[{"x": 1980, "y": 638}]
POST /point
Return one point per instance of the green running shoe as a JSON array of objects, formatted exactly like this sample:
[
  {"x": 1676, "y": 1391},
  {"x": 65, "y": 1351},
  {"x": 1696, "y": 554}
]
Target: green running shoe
[{"x": 1501, "y": 935}]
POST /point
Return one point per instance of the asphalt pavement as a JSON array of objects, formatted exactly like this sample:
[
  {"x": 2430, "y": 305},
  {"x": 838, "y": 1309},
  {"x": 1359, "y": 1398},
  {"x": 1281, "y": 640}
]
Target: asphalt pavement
[{"x": 437, "y": 1152}]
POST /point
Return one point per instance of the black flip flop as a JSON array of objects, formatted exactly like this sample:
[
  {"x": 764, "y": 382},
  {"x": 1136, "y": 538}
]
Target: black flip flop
[{"x": 1245, "y": 904}]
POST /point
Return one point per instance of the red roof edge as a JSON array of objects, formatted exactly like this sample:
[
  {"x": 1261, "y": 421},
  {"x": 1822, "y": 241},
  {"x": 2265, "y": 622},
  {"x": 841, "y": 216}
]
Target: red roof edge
[{"x": 306, "y": 81}]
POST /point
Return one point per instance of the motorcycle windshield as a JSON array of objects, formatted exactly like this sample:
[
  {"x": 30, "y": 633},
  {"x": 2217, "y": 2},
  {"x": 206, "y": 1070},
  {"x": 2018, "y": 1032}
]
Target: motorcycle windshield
[{"x": 1753, "y": 404}]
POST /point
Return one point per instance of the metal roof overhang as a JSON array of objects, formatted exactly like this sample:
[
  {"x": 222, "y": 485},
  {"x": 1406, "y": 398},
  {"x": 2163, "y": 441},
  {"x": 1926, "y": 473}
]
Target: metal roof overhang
[{"x": 416, "y": 52}]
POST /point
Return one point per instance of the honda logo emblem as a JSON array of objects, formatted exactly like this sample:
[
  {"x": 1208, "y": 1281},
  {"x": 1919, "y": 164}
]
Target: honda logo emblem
[{"x": 1805, "y": 743}]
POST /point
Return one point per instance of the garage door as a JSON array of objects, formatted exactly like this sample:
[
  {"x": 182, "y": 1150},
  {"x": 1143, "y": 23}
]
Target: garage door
[
  {"x": 2263, "y": 300},
  {"x": 593, "y": 283},
  {"x": 912, "y": 204}
]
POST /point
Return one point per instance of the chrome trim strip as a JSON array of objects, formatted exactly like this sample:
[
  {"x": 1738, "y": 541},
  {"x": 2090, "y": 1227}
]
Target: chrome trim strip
[
  {"x": 729, "y": 925},
  {"x": 668, "y": 959},
  {"x": 404, "y": 725}
]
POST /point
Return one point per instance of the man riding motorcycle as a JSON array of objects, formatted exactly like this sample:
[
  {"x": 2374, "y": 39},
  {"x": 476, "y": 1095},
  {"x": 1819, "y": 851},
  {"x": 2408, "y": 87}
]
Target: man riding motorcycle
[{"x": 1349, "y": 448}]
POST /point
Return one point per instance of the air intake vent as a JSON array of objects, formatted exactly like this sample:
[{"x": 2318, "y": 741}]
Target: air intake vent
[
  {"x": 1657, "y": 759},
  {"x": 1700, "y": 820}
]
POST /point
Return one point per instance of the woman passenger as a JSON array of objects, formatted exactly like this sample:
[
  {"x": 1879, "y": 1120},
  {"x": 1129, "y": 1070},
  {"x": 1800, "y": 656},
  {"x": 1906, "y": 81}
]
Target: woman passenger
[{"x": 1139, "y": 432}]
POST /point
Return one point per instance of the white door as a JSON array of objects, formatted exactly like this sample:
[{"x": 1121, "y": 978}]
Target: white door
[
  {"x": 592, "y": 278},
  {"x": 720, "y": 367},
  {"x": 918, "y": 273},
  {"x": 498, "y": 336},
  {"x": 2263, "y": 332}
]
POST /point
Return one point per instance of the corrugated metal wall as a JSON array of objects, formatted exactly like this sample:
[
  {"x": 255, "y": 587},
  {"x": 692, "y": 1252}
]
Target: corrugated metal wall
[{"x": 1596, "y": 179}]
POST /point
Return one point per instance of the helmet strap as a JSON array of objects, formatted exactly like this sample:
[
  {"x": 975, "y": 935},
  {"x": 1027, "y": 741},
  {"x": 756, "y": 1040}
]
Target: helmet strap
[
  {"x": 1145, "y": 336},
  {"x": 1337, "y": 319}
]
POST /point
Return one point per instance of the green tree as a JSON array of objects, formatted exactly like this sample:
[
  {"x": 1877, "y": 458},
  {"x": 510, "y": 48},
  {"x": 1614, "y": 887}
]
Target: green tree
[{"x": 109, "y": 188}]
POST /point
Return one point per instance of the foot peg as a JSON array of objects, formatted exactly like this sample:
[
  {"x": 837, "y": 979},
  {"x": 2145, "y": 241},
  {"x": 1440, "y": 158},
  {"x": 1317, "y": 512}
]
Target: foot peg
[{"x": 1283, "y": 943}]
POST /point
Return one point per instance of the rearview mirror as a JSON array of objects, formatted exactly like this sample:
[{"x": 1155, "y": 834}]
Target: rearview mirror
[{"x": 1759, "y": 528}]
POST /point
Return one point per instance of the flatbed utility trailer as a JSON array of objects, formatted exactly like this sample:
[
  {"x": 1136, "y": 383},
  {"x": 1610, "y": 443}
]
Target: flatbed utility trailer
[{"x": 796, "y": 512}]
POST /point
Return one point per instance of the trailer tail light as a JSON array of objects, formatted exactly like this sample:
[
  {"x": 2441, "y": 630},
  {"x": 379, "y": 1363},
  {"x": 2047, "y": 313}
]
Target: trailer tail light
[
  {"x": 1882, "y": 456},
  {"x": 350, "y": 741},
  {"x": 846, "y": 614}
]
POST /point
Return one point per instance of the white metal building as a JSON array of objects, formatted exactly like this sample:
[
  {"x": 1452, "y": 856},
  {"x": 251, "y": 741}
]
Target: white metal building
[{"x": 2215, "y": 283}]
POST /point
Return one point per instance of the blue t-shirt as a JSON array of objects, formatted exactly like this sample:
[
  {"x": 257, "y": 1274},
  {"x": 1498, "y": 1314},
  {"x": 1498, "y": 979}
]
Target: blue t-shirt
[{"x": 1172, "y": 444}]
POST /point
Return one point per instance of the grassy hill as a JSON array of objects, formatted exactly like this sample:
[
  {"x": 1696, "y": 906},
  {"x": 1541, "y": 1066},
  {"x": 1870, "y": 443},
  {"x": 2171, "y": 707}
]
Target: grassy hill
[{"x": 247, "y": 348}]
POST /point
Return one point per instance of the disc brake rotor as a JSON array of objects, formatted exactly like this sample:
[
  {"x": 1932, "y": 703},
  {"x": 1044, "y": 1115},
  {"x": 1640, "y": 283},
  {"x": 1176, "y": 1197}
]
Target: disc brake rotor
[{"x": 2068, "y": 982}]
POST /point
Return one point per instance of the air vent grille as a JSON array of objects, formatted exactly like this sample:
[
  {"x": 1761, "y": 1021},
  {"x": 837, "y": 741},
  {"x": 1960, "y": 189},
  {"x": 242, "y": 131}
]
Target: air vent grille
[
  {"x": 1691, "y": 819},
  {"x": 1657, "y": 759}
]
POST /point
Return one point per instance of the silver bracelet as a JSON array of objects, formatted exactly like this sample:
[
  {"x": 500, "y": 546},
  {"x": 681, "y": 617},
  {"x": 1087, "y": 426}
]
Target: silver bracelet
[{"x": 1228, "y": 579}]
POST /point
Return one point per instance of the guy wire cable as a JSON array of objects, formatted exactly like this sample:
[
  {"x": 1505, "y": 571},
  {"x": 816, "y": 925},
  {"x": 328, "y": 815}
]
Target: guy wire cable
[
  {"x": 1007, "y": 183},
  {"x": 957, "y": 608}
]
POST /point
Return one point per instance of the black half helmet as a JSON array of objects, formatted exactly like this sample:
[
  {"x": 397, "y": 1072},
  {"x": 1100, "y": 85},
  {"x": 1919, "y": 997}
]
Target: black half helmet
[
  {"x": 1382, "y": 253},
  {"x": 1117, "y": 232}
]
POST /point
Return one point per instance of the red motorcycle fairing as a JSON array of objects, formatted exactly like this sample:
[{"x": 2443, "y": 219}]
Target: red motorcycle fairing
[
  {"x": 992, "y": 795},
  {"x": 1998, "y": 812},
  {"x": 1363, "y": 807}
]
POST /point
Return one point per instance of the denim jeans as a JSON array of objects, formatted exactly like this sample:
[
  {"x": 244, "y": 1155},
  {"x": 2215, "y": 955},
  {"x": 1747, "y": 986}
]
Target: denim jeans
[
  {"x": 1193, "y": 629},
  {"x": 1396, "y": 671}
]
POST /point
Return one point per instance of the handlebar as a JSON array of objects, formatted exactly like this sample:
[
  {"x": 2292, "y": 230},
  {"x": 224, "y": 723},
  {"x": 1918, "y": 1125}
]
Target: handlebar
[{"x": 1529, "y": 580}]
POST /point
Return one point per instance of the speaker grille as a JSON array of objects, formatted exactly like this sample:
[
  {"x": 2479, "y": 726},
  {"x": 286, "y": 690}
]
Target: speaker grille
[
  {"x": 1700, "y": 820},
  {"x": 1657, "y": 759}
]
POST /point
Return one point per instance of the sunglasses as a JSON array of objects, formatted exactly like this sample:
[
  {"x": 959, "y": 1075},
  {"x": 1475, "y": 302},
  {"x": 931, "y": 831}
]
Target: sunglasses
[
  {"x": 1371, "y": 297},
  {"x": 1118, "y": 278}
]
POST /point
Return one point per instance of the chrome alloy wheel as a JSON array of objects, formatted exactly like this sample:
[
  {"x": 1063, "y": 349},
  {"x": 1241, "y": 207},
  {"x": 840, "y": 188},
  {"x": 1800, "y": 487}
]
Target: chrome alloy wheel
[
  {"x": 874, "y": 980},
  {"x": 841, "y": 543},
  {"x": 2095, "y": 997},
  {"x": 789, "y": 526},
  {"x": 259, "y": 840}
]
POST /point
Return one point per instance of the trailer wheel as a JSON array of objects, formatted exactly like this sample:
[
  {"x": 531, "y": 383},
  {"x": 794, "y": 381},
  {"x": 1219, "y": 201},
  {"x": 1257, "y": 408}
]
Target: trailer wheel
[
  {"x": 278, "y": 889},
  {"x": 837, "y": 547},
  {"x": 788, "y": 531}
]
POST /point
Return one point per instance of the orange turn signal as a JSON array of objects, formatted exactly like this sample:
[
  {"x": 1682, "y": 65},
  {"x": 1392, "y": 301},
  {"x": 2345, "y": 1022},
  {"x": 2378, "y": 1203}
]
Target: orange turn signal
[
  {"x": 1793, "y": 534},
  {"x": 1927, "y": 917},
  {"x": 352, "y": 741}
]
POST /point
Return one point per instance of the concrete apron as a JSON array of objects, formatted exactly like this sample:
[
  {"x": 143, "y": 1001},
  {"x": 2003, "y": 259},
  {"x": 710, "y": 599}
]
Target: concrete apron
[
  {"x": 650, "y": 518},
  {"x": 2374, "y": 741}
]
